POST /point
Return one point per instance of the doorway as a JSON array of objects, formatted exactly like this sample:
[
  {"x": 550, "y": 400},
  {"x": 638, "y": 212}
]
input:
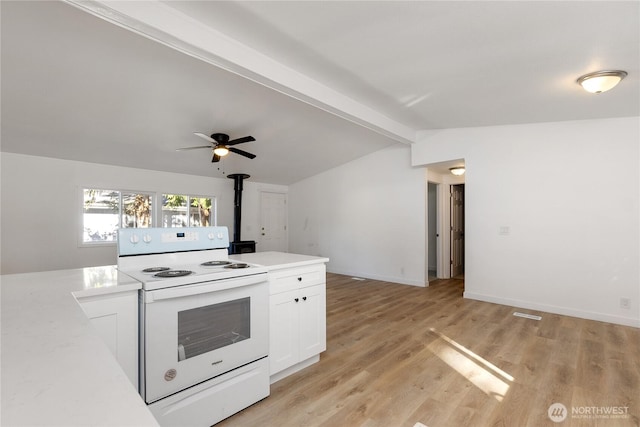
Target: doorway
[
  {"x": 440, "y": 204},
  {"x": 432, "y": 231},
  {"x": 457, "y": 231}
]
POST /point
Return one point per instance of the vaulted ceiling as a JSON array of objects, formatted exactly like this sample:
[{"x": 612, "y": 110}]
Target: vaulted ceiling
[{"x": 317, "y": 84}]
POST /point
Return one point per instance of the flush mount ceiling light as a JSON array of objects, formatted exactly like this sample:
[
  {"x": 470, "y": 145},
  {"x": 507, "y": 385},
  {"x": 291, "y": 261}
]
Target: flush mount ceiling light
[
  {"x": 457, "y": 171},
  {"x": 601, "y": 81},
  {"x": 221, "y": 150}
]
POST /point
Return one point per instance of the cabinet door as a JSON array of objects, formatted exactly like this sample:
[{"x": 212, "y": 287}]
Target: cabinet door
[
  {"x": 313, "y": 321},
  {"x": 115, "y": 318},
  {"x": 284, "y": 330}
]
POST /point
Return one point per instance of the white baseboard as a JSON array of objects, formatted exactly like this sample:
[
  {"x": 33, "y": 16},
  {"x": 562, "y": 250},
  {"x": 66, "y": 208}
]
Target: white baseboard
[
  {"x": 392, "y": 279},
  {"x": 565, "y": 311},
  {"x": 293, "y": 369}
]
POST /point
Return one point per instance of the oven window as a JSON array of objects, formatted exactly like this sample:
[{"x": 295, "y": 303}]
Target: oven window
[{"x": 204, "y": 329}]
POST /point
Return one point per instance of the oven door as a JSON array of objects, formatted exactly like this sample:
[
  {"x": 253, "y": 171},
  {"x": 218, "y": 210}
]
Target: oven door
[{"x": 196, "y": 332}]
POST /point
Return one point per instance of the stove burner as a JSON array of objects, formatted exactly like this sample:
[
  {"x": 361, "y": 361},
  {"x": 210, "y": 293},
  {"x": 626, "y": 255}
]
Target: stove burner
[
  {"x": 173, "y": 273},
  {"x": 238, "y": 265},
  {"x": 155, "y": 269},
  {"x": 215, "y": 263}
]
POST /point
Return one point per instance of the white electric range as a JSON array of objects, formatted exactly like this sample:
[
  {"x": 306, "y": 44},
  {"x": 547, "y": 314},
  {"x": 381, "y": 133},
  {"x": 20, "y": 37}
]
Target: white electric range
[{"x": 203, "y": 324}]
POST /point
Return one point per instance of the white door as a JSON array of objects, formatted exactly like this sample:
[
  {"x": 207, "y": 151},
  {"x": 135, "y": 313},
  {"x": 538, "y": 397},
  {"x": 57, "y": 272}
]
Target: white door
[{"x": 273, "y": 222}]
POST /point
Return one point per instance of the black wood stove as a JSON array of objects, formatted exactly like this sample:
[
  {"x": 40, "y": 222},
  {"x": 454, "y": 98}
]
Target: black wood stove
[{"x": 238, "y": 246}]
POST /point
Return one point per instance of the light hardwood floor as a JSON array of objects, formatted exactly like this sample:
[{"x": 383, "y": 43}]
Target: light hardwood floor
[{"x": 397, "y": 355}]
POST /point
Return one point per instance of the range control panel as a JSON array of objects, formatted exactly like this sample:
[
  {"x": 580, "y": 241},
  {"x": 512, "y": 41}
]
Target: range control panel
[
  {"x": 180, "y": 236},
  {"x": 139, "y": 241}
]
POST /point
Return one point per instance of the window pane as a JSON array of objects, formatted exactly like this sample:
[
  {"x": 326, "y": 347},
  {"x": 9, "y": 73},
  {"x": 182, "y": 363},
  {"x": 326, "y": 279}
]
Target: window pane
[
  {"x": 200, "y": 212},
  {"x": 204, "y": 329},
  {"x": 100, "y": 216},
  {"x": 174, "y": 210},
  {"x": 136, "y": 210}
]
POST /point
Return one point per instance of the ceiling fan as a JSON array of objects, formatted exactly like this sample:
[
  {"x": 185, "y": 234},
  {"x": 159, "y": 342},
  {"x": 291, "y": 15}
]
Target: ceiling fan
[{"x": 221, "y": 145}]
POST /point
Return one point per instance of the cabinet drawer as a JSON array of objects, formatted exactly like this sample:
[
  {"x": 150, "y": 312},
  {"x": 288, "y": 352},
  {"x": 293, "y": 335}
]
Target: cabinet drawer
[{"x": 295, "y": 278}]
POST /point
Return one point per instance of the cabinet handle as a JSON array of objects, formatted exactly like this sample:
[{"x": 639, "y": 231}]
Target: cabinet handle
[
  {"x": 304, "y": 298},
  {"x": 299, "y": 279},
  {"x": 297, "y": 299}
]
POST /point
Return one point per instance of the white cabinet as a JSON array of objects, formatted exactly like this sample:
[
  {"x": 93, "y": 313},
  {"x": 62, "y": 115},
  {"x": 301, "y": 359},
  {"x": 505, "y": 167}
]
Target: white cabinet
[
  {"x": 115, "y": 318},
  {"x": 298, "y": 331}
]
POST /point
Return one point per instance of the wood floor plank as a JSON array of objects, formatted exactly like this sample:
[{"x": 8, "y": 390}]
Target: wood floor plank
[{"x": 397, "y": 355}]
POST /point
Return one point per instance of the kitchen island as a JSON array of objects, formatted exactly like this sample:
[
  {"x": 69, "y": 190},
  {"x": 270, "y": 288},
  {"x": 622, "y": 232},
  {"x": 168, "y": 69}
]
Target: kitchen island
[{"x": 56, "y": 370}]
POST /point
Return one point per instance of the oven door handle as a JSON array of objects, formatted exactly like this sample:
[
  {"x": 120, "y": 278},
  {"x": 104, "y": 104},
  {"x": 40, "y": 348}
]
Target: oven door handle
[{"x": 204, "y": 288}]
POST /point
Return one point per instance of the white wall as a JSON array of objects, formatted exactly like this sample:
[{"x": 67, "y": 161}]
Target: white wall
[
  {"x": 367, "y": 216},
  {"x": 41, "y": 208},
  {"x": 569, "y": 193}
]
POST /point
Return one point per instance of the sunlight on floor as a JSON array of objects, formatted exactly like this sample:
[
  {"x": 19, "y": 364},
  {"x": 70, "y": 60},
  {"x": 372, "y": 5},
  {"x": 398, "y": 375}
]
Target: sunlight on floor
[{"x": 484, "y": 375}]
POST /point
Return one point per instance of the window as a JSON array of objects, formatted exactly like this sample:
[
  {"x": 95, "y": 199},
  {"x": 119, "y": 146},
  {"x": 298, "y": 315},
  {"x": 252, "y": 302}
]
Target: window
[
  {"x": 188, "y": 211},
  {"x": 137, "y": 210},
  {"x": 104, "y": 211}
]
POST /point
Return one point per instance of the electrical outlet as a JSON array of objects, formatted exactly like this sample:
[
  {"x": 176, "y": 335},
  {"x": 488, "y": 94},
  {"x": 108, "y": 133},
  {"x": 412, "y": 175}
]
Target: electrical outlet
[
  {"x": 625, "y": 303},
  {"x": 504, "y": 230}
]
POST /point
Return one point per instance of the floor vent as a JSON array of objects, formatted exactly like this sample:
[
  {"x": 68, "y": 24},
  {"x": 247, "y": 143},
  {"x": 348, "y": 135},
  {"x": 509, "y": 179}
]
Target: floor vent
[
  {"x": 527, "y": 316},
  {"x": 357, "y": 278}
]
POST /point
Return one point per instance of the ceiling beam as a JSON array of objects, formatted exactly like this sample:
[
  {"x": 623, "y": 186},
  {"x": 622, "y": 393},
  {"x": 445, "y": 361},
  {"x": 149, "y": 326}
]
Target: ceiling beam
[{"x": 164, "y": 24}]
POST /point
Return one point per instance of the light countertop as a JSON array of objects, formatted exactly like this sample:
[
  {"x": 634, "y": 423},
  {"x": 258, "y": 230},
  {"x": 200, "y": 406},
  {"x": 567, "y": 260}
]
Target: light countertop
[
  {"x": 55, "y": 368},
  {"x": 278, "y": 260}
]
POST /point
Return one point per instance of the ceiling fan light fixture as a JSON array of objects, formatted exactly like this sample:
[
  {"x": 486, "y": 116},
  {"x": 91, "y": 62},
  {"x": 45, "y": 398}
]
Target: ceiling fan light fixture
[
  {"x": 221, "y": 150},
  {"x": 601, "y": 81},
  {"x": 457, "y": 171},
  {"x": 221, "y": 144}
]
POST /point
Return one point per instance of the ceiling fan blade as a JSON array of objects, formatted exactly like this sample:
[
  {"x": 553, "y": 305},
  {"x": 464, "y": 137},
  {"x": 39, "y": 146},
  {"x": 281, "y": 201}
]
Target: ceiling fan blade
[
  {"x": 207, "y": 137},
  {"x": 241, "y": 140},
  {"x": 242, "y": 153},
  {"x": 215, "y": 158},
  {"x": 193, "y": 148}
]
